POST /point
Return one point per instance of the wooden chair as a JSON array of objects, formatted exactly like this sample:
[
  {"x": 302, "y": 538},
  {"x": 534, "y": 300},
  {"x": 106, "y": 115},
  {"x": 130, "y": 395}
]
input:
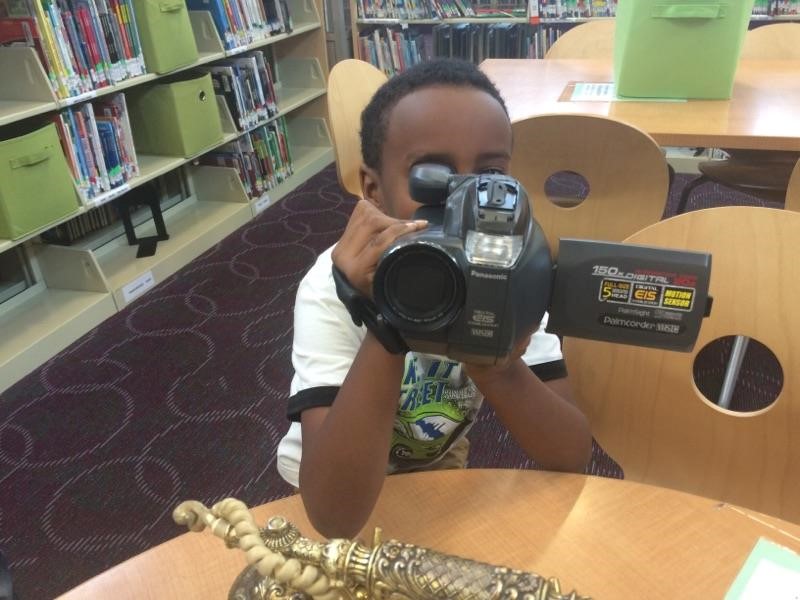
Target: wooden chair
[
  {"x": 643, "y": 405},
  {"x": 762, "y": 173},
  {"x": 793, "y": 190},
  {"x": 775, "y": 41},
  {"x": 351, "y": 84},
  {"x": 624, "y": 167},
  {"x": 594, "y": 39}
]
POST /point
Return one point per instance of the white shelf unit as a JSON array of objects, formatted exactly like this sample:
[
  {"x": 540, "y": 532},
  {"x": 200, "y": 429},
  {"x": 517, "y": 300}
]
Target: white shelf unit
[
  {"x": 217, "y": 206},
  {"x": 70, "y": 299},
  {"x": 79, "y": 286}
]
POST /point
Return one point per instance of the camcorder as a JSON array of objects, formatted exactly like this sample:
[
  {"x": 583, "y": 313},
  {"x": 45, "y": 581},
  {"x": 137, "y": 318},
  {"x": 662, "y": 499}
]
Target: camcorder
[{"x": 480, "y": 278}]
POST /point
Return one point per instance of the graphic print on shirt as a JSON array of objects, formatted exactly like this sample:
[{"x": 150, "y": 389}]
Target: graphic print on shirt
[{"x": 437, "y": 403}]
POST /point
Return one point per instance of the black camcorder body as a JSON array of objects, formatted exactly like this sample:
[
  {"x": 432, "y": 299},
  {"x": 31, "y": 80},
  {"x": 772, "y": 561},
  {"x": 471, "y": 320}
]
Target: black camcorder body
[
  {"x": 463, "y": 286},
  {"x": 480, "y": 278}
]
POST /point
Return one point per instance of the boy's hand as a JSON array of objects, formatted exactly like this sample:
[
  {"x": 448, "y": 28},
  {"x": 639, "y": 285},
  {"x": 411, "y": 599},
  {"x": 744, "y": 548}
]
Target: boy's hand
[
  {"x": 368, "y": 233},
  {"x": 482, "y": 374}
]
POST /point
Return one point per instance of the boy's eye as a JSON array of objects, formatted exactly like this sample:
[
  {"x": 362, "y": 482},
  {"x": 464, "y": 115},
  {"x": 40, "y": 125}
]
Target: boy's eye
[{"x": 492, "y": 171}]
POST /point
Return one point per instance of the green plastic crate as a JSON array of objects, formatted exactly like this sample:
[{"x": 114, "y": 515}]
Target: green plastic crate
[
  {"x": 36, "y": 187},
  {"x": 678, "y": 48},
  {"x": 166, "y": 34},
  {"x": 176, "y": 118}
]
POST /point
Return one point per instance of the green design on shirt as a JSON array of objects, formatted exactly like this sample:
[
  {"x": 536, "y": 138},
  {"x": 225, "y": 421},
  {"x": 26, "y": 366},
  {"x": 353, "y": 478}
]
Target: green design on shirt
[{"x": 437, "y": 404}]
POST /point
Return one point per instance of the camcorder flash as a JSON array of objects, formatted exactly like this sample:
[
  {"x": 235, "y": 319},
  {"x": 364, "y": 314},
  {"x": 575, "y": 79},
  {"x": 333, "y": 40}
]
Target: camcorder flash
[{"x": 480, "y": 278}]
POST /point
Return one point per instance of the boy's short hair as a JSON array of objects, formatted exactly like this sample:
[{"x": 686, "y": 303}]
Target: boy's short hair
[{"x": 437, "y": 72}]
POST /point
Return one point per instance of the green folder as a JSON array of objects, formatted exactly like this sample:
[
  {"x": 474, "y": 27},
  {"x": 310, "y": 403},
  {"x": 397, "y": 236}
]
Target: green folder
[
  {"x": 166, "y": 34},
  {"x": 36, "y": 187},
  {"x": 678, "y": 48},
  {"x": 176, "y": 118}
]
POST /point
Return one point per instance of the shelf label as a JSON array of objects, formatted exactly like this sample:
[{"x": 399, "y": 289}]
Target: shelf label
[
  {"x": 261, "y": 204},
  {"x": 138, "y": 286},
  {"x": 236, "y": 50},
  {"x": 598, "y": 92},
  {"x": 77, "y": 99},
  {"x": 116, "y": 192},
  {"x": 108, "y": 196}
]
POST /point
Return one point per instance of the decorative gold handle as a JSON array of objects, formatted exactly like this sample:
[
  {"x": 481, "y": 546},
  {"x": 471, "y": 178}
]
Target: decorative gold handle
[{"x": 291, "y": 566}]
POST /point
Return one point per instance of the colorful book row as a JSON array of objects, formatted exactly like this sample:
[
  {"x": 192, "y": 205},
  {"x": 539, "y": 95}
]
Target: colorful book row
[
  {"x": 247, "y": 86},
  {"x": 97, "y": 141},
  {"x": 439, "y": 9},
  {"x": 75, "y": 229},
  {"x": 572, "y": 9},
  {"x": 776, "y": 8},
  {"x": 392, "y": 49},
  {"x": 84, "y": 45},
  {"x": 546, "y": 9},
  {"x": 262, "y": 157},
  {"x": 241, "y": 22}
]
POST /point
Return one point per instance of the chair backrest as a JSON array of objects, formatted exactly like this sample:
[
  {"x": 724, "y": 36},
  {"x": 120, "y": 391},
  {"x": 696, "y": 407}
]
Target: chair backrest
[
  {"x": 643, "y": 405},
  {"x": 351, "y": 85},
  {"x": 774, "y": 41},
  {"x": 626, "y": 171},
  {"x": 594, "y": 39},
  {"x": 793, "y": 191}
]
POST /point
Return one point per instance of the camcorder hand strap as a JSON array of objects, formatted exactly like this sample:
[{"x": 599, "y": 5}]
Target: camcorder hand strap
[{"x": 363, "y": 311}]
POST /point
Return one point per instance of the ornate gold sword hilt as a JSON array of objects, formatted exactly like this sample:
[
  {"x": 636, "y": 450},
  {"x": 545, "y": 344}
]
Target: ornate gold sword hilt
[{"x": 342, "y": 568}]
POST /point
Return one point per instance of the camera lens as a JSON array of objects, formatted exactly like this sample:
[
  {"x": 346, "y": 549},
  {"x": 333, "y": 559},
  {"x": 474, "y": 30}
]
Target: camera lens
[{"x": 419, "y": 287}]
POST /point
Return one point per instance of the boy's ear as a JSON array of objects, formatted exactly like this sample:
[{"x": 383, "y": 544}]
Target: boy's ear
[{"x": 371, "y": 186}]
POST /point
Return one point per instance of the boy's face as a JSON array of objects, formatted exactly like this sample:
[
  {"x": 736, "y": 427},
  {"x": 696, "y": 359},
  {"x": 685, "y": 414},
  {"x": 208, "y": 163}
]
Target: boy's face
[{"x": 458, "y": 126}]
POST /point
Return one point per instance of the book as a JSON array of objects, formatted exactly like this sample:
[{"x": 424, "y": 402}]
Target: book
[{"x": 222, "y": 17}]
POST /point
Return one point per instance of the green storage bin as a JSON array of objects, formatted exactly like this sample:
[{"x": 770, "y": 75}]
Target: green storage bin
[
  {"x": 36, "y": 187},
  {"x": 166, "y": 34},
  {"x": 678, "y": 48},
  {"x": 176, "y": 118}
]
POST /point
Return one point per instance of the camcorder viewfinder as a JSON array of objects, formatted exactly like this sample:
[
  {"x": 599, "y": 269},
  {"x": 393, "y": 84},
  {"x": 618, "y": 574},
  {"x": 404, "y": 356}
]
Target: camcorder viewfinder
[{"x": 480, "y": 278}]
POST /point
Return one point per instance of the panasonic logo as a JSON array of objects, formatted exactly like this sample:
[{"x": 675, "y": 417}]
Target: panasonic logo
[{"x": 483, "y": 275}]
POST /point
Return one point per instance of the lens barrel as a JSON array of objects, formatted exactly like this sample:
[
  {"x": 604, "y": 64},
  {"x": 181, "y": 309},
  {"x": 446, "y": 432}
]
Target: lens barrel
[{"x": 419, "y": 287}]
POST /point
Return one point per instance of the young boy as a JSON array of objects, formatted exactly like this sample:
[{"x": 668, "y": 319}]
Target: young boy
[{"x": 358, "y": 411}]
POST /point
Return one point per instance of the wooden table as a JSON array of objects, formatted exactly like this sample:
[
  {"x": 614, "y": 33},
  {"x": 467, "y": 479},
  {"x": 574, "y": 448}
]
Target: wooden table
[
  {"x": 603, "y": 537},
  {"x": 761, "y": 114}
]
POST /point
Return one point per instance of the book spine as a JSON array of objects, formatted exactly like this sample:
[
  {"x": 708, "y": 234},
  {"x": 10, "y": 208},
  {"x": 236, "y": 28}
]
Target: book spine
[
  {"x": 94, "y": 139},
  {"x": 130, "y": 19},
  {"x": 49, "y": 44},
  {"x": 79, "y": 49},
  {"x": 94, "y": 22}
]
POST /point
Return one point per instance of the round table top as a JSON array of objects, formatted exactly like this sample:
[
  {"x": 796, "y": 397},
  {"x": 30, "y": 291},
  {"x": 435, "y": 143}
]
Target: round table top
[{"x": 605, "y": 538}]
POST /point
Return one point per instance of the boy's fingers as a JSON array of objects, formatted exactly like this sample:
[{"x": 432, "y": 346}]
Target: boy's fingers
[
  {"x": 394, "y": 231},
  {"x": 365, "y": 223},
  {"x": 367, "y": 235}
]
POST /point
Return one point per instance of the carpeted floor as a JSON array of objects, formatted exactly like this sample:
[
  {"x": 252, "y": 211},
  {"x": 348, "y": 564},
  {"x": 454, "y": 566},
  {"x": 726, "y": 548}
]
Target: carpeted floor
[{"x": 181, "y": 395}]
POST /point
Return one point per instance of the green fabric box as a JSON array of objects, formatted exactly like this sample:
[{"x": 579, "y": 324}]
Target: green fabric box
[
  {"x": 678, "y": 48},
  {"x": 176, "y": 118},
  {"x": 166, "y": 34},
  {"x": 36, "y": 187}
]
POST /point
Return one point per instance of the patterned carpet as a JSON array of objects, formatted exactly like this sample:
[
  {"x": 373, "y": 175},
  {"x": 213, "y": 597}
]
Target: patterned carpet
[{"x": 181, "y": 395}]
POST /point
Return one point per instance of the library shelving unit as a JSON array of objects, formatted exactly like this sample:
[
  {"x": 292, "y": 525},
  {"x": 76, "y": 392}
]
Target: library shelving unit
[
  {"x": 50, "y": 295},
  {"x": 543, "y": 30}
]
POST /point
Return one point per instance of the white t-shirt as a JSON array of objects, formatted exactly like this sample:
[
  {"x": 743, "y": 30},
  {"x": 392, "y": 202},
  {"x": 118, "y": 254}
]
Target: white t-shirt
[{"x": 437, "y": 405}]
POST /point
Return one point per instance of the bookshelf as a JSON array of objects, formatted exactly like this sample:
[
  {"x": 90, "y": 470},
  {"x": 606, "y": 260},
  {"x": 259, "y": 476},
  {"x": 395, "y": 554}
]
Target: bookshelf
[
  {"x": 68, "y": 290},
  {"x": 405, "y": 37}
]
